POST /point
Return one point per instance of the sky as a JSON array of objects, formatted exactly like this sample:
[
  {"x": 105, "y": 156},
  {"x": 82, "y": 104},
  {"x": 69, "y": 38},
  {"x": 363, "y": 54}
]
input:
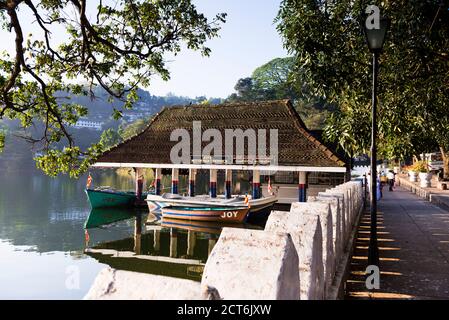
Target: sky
[{"x": 247, "y": 40}]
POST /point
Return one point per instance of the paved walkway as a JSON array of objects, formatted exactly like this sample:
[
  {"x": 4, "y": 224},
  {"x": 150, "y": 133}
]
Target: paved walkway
[{"x": 413, "y": 238}]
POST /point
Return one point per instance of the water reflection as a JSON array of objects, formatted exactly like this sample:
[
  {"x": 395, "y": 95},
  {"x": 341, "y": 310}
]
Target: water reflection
[{"x": 174, "y": 248}]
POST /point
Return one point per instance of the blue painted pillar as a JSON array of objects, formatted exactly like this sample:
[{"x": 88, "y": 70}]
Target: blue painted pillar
[
  {"x": 157, "y": 181},
  {"x": 213, "y": 183},
  {"x": 228, "y": 184},
  {"x": 174, "y": 180},
  {"x": 302, "y": 197},
  {"x": 256, "y": 184},
  {"x": 192, "y": 179}
]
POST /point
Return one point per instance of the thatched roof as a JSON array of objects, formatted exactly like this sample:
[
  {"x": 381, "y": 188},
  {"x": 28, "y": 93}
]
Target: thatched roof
[{"x": 296, "y": 145}]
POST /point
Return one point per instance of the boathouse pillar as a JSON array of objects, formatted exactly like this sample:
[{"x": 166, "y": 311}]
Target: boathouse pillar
[
  {"x": 157, "y": 181},
  {"x": 192, "y": 180},
  {"x": 228, "y": 183},
  {"x": 139, "y": 183},
  {"x": 256, "y": 184},
  {"x": 302, "y": 197},
  {"x": 174, "y": 180},
  {"x": 213, "y": 183}
]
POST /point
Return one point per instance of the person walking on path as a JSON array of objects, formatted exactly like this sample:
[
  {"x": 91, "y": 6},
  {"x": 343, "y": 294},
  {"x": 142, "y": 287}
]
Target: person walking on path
[{"x": 390, "y": 177}]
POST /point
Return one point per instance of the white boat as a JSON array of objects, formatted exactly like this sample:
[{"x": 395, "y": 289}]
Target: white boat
[{"x": 156, "y": 202}]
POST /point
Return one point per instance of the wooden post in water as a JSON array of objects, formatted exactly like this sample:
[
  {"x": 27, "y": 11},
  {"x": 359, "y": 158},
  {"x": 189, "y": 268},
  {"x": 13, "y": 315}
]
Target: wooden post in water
[
  {"x": 173, "y": 243},
  {"x": 191, "y": 242},
  {"x": 213, "y": 183},
  {"x": 228, "y": 183},
  {"x": 174, "y": 180},
  {"x": 137, "y": 234},
  {"x": 157, "y": 240}
]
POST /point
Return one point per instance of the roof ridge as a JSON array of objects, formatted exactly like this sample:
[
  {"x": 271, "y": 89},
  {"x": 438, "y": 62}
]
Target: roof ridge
[{"x": 228, "y": 104}]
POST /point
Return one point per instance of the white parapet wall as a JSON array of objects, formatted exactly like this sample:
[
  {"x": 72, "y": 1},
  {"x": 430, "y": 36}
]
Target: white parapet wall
[
  {"x": 253, "y": 264},
  {"x": 337, "y": 230},
  {"x": 111, "y": 284},
  {"x": 323, "y": 211},
  {"x": 306, "y": 233},
  {"x": 340, "y": 195}
]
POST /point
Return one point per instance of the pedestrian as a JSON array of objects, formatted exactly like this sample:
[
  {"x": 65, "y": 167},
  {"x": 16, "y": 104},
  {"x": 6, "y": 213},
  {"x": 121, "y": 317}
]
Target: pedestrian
[{"x": 390, "y": 177}]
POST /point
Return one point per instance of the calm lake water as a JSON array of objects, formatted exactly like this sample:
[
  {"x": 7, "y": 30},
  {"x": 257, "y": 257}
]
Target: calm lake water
[{"x": 45, "y": 252}]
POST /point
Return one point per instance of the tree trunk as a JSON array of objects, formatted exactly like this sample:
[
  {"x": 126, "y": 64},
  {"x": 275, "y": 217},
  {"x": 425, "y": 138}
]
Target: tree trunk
[{"x": 445, "y": 157}]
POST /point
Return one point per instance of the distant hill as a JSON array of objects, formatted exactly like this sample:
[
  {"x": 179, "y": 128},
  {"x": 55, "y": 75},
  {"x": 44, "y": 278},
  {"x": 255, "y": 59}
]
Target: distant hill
[{"x": 18, "y": 153}]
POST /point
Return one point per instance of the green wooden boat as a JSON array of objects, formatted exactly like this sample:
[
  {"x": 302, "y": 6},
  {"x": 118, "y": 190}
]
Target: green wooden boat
[
  {"x": 106, "y": 198},
  {"x": 103, "y": 216}
]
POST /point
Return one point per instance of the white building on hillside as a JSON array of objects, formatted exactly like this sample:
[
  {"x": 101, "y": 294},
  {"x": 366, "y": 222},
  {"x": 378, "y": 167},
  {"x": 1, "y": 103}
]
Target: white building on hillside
[{"x": 84, "y": 123}]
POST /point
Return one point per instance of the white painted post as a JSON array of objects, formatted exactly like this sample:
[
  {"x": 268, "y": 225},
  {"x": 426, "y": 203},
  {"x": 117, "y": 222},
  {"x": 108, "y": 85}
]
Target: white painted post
[
  {"x": 302, "y": 188},
  {"x": 157, "y": 181},
  {"x": 256, "y": 184}
]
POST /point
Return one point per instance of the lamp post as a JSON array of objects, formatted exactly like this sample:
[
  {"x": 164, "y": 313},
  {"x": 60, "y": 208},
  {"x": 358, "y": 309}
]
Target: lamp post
[{"x": 375, "y": 38}]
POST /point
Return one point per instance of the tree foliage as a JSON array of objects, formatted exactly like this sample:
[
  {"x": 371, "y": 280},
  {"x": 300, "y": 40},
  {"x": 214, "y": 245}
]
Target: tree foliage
[
  {"x": 268, "y": 82},
  {"x": 117, "y": 46},
  {"x": 275, "y": 80},
  {"x": 327, "y": 42}
]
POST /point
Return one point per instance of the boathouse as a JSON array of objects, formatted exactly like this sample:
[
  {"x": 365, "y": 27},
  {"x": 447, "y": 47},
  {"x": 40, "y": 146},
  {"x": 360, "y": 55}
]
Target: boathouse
[{"x": 294, "y": 163}]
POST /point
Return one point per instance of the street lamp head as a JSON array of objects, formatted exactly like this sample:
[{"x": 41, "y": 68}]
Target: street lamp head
[{"x": 375, "y": 37}]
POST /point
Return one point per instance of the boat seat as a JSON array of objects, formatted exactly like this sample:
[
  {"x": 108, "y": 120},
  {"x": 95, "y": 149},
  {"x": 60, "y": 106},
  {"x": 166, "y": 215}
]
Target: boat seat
[
  {"x": 236, "y": 199},
  {"x": 172, "y": 196}
]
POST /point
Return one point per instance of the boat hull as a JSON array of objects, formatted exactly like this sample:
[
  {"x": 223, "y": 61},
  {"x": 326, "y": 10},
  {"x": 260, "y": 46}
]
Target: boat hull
[
  {"x": 111, "y": 198},
  {"x": 157, "y": 203},
  {"x": 211, "y": 227},
  {"x": 228, "y": 215}
]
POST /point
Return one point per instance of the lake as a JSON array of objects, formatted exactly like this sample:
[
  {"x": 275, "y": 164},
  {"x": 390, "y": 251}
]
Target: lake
[{"x": 46, "y": 253}]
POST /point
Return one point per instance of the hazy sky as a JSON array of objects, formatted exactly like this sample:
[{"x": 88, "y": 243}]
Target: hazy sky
[{"x": 247, "y": 40}]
